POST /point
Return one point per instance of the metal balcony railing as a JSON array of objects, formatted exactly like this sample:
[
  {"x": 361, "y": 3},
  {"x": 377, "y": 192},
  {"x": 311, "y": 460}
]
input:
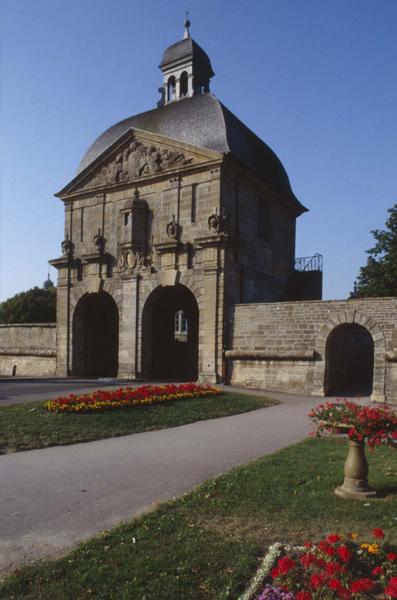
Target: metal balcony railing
[{"x": 309, "y": 263}]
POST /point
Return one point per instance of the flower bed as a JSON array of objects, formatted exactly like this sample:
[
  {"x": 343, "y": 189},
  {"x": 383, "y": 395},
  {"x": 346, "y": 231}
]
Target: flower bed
[
  {"x": 373, "y": 425},
  {"x": 335, "y": 567},
  {"x": 125, "y": 397}
]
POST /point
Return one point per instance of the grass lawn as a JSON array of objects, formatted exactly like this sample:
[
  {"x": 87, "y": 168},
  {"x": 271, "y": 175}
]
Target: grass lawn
[
  {"x": 206, "y": 544},
  {"x": 28, "y": 426}
]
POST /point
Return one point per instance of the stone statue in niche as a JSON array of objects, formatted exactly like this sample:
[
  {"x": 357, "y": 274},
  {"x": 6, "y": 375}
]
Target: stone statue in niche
[
  {"x": 216, "y": 222},
  {"x": 67, "y": 246},
  {"x": 138, "y": 160},
  {"x": 99, "y": 242},
  {"x": 173, "y": 229}
]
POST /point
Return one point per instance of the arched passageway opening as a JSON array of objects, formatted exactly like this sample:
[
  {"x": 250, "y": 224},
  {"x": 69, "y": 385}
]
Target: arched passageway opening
[
  {"x": 171, "y": 87},
  {"x": 349, "y": 361},
  {"x": 183, "y": 83},
  {"x": 170, "y": 325},
  {"x": 96, "y": 336}
]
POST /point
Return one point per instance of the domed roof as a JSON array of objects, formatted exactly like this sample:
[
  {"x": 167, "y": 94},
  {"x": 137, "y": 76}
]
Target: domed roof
[
  {"x": 48, "y": 283},
  {"x": 185, "y": 50},
  {"x": 205, "y": 122}
]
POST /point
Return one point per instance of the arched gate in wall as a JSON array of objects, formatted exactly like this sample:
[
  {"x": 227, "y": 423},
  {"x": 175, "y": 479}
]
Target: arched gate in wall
[
  {"x": 95, "y": 336},
  {"x": 355, "y": 330},
  {"x": 170, "y": 324}
]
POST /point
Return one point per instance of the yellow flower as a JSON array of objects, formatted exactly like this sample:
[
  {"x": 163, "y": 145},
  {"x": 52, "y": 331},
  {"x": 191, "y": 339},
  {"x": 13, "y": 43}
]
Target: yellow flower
[
  {"x": 371, "y": 548},
  {"x": 354, "y": 536}
]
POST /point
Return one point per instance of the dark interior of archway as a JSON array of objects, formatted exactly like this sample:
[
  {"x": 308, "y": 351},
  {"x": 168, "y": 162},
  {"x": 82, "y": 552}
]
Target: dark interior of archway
[
  {"x": 95, "y": 338},
  {"x": 165, "y": 357},
  {"x": 349, "y": 361}
]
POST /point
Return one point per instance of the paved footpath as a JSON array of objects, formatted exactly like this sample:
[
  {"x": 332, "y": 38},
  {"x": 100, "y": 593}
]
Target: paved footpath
[{"x": 51, "y": 499}]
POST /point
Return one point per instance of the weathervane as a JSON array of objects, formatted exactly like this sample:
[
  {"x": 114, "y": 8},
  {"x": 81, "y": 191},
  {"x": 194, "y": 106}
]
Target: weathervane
[{"x": 187, "y": 25}]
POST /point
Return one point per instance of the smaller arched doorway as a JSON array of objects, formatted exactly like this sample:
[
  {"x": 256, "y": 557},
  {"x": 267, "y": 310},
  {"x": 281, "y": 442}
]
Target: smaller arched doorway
[
  {"x": 349, "y": 361},
  {"x": 96, "y": 336},
  {"x": 170, "y": 324}
]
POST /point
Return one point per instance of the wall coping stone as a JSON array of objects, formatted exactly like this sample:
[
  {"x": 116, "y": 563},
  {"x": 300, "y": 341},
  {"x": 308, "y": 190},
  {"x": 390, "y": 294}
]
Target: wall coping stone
[{"x": 321, "y": 302}]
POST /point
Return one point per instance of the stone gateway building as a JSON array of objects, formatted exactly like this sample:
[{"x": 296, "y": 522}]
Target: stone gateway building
[
  {"x": 178, "y": 259},
  {"x": 174, "y": 216}
]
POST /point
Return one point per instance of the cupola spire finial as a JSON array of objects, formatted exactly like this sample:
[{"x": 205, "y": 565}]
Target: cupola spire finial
[{"x": 187, "y": 25}]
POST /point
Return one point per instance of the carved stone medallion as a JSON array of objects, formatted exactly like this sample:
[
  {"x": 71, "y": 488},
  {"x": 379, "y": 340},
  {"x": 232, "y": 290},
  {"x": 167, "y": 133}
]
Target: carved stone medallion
[
  {"x": 99, "y": 242},
  {"x": 216, "y": 222},
  {"x": 67, "y": 246},
  {"x": 130, "y": 259},
  {"x": 172, "y": 229}
]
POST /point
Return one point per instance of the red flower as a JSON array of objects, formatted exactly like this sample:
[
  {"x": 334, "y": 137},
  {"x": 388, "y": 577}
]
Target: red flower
[
  {"x": 275, "y": 573},
  {"x": 344, "y": 553},
  {"x": 378, "y": 533},
  {"x": 334, "y": 584},
  {"x": 303, "y": 596},
  {"x": 333, "y": 538},
  {"x": 316, "y": 580},
  {"x": 320, "y": 562},
  {"x": 333, "y": 567},
  {"x": 326, "y": 548},
  {"x": 285, "y": 564},
  {"x": 391, "y": 589},
  {"x": 377, "y": 571},
  {"x": 362, "y": 585},
  {"x": 306, "y": 560},
  {"x": 392, "y": 556}
]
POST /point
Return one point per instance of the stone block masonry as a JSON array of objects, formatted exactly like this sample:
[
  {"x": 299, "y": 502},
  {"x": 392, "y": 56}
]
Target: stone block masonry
[
  {"x": 285, "y": 345},
  {"x": 28, "y": 349}
]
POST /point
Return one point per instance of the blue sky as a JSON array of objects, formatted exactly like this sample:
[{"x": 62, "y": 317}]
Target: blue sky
[{"x": 316, "y": 79}]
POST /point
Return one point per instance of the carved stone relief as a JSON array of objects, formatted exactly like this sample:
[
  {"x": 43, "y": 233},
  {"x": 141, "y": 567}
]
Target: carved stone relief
[
  {"x": 173, "y": 229},
  {"x": 99, "y": 242},
  {"x": 138, "y": 160},
  {"x": 216, "y": 222},
  {"x": 67, "y": 246},
  {"x": 132, "y": 259}
]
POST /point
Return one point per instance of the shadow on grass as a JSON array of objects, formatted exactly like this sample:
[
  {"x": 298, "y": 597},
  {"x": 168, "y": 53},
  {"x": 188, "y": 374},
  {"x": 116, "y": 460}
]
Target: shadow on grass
[{"x": 386, "y": 491}]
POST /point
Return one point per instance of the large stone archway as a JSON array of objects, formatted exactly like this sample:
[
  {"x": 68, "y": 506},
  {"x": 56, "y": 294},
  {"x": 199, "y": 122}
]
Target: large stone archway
[
  {"x": 354, "y": 318},
  {"x": 95, "y": 336},
  {"x": 170, "y": 326}
]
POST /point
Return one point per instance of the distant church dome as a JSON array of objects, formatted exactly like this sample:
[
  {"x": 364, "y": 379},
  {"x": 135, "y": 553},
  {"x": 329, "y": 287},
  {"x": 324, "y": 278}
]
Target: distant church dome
[
  {"x": 48, "y": 283},
  {"x": 188, "y": 113}
]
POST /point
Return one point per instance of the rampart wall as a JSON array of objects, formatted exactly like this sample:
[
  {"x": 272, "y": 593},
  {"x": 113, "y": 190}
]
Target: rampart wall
[
  {"x": 28, "y": 349},
  {"x": 282, "y": 346}
]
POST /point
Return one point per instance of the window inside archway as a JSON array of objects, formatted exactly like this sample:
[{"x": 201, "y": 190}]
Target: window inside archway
[{"x": 181, "y": 327}]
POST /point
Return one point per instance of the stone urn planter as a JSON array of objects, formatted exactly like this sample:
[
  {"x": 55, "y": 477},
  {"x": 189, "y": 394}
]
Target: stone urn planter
[
  {"x": 364, "y": 425},
  {"x": 355, "y": 483}
]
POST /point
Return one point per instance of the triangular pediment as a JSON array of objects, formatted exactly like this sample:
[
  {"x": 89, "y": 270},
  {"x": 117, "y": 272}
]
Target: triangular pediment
[{"x": 135, "y": 155}]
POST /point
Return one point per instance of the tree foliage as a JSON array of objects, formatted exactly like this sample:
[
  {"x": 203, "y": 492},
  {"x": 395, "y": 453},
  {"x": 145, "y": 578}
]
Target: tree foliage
[
  {"x": 379, "y": 276},
  {"x": 36, "y": 305}
]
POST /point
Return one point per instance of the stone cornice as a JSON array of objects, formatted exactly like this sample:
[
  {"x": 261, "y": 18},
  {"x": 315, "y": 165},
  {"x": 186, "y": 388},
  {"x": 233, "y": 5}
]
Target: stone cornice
[{"x": 270, "y": 355}]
